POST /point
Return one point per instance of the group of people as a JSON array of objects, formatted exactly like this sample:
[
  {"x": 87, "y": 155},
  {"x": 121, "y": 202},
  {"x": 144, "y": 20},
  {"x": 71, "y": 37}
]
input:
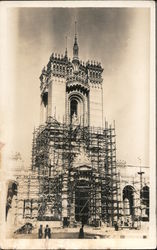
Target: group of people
[{"x": 46, "y": 232}]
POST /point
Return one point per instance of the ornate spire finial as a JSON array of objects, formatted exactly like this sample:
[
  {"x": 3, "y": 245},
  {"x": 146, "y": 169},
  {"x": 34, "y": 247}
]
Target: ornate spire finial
[
  {"x": 75, "y": 30},
  {"x": 66, "y": 50},
  {"x": 75, "y": 47}
]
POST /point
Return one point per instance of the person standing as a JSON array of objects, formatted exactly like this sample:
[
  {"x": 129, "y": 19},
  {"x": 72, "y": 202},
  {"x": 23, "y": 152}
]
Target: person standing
[
  {"x": 81, "y": 233},
  {"x": 47, "y": 232},
  {"x": 40, "y": 232},
  {"x": 116, "y": 226}
]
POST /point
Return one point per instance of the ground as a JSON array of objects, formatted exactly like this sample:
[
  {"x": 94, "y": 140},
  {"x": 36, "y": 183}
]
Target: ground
[{"x": 91, "y": 233}]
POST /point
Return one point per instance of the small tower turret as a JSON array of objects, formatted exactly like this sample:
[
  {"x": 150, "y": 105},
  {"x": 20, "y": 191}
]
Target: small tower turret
[{"x": 75, "y": 53}]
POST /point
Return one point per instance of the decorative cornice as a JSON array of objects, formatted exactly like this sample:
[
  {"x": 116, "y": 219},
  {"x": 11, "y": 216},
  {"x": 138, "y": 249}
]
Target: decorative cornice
[
  {"x": 61, "y": 66},
  {"x": 75, "y": 81}
]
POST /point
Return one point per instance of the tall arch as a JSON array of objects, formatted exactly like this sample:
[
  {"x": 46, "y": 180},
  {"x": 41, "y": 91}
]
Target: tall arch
[
  {"x": 82, "y": 193},
  {"x": 12, "y": 191},
  {"x": 128, "y": 200},
  {"x": 73, "y": 108},
  {"x": 76, "y": 108},
  {"x": 144, "y": 194}
]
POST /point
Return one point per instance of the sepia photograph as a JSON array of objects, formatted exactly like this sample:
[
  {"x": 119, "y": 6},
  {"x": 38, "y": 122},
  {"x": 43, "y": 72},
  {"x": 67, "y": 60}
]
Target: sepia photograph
[{"x": 77, "y": 125}]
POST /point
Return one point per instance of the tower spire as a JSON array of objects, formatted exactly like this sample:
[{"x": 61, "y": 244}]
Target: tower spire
[
  {"x": 75, "y": 47},
  {"x": 66, "y": 50},
  {"x": 75, "y": 31}
]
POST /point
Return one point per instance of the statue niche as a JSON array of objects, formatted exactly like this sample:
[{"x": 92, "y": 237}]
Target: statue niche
[{"x": 74, "y": 112}]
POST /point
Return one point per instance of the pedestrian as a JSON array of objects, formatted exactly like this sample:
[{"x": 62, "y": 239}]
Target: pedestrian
[
  {"x": 116, "y": 226},
  {"x": 47, "y": 232},
  {"x": 40, "y": 232},
  {"x": 81, "y": 233}
]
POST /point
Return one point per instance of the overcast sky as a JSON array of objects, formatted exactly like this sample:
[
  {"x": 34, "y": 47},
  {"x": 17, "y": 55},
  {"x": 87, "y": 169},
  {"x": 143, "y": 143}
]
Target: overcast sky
[{"x": 117, "y": 37}]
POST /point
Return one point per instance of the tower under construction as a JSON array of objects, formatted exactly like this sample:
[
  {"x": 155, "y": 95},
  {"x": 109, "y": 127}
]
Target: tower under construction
[{"x": 74, "y": 152}]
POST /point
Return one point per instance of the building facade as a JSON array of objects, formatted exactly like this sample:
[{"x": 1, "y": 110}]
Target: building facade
[
  {"x": 74, "y": 176},
  {"x": 73, "y": 155}
]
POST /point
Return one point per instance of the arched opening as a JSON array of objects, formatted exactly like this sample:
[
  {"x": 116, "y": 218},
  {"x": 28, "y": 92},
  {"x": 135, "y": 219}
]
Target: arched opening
[
  {"x": 128, "y": 200},
  {"x": 144, "y": 194},
  {"x": 82, "y": 202},
  {"x": 12, "y": 191},
  {"x": 76, "y": 109},
  {"x": 82, "y": 194},
  {"x": 73, "y": 108}
]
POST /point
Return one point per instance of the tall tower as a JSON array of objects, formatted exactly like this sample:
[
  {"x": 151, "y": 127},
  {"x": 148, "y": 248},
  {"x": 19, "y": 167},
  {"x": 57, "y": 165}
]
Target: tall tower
[
  {"x": 71, "y": 91},
  {"x": 73, "y": 155}
]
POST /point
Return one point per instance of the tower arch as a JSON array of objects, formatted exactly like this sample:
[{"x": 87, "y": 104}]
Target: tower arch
[
  {"x": 73, "y": 107},
  {"x": 77, "y": 109}
]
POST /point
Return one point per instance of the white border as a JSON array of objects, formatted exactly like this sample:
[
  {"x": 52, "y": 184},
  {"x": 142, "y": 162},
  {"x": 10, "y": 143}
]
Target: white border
[
  {"x": 76, "y": 4},
  {"x": 103, "y": 243}
]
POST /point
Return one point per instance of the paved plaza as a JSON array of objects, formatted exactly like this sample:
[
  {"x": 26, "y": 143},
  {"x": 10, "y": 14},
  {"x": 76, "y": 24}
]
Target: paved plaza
[{"x": 91, "y": 233}]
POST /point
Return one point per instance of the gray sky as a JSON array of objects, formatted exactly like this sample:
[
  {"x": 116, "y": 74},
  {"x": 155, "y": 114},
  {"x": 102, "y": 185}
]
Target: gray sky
[{"x": 117, "y": 37}]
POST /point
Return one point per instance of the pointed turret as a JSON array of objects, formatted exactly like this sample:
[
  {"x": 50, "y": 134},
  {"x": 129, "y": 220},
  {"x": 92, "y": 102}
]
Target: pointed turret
[
  {"x": 66, "y": 50},
  {"x": 75, "y": 52},
  {"x": 75, "y": 47}
]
